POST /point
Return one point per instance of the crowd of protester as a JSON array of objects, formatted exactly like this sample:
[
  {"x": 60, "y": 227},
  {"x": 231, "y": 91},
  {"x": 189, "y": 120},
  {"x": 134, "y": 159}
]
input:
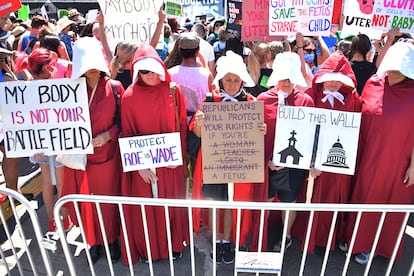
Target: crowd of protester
[{"x": 209, "y": 63}]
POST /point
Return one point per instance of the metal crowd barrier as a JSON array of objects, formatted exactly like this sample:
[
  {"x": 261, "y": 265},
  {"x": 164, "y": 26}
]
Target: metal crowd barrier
[
  {"x": 16, "y": 240},
  {"x": 266, "y": 262},
  {"x": 274, "y": 261}
]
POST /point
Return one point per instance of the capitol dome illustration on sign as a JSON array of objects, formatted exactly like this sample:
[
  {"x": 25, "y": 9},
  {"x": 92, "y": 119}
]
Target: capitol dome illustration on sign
[{"x": 336, "y": 156}]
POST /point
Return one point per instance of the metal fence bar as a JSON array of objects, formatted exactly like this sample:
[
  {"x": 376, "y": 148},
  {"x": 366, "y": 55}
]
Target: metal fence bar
[
  {"x": 12, "y": 195},
  {"x": 374, "y": 244},
  {"x": 328, "y": 245},
  {"x": 305, "y": 249}
]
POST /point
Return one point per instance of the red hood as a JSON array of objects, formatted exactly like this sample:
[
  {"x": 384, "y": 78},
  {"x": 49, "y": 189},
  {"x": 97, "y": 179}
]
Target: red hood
[{"x": 144, "y": 51}]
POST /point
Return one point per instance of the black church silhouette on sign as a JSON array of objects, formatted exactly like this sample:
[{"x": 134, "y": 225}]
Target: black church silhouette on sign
[
  {"x": 336, "y": 156},
  {"x": 291, "y": 150}
]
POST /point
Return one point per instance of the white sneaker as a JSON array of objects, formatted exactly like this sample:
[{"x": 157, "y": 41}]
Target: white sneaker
[{"x": 362, "y": 258}]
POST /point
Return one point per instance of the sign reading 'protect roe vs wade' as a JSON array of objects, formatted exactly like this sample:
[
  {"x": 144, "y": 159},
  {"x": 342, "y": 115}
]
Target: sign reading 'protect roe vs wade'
[
  {"x": 150, "y": 151},
  {"x": 314, "y": 137},
  {"x": 45, "y": 116},
  {"x": 232, "y": 144}
]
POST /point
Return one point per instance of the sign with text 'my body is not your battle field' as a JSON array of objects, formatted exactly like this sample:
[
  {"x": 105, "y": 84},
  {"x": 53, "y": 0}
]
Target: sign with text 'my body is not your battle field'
[
  {"x": 313, "y": 137},
  {"x": 130, "y": 20},
  {"x": 151, "y": 151},
  {"x": 372, "y": 17},
  {"x": 286, "y": 17},
  {"x": 45, "y": 116},
  {"x": 232, "y": 145}
]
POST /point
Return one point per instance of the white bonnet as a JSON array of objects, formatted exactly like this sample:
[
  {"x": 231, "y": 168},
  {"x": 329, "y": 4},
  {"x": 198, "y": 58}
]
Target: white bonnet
[{"x": 233, "y": 63}]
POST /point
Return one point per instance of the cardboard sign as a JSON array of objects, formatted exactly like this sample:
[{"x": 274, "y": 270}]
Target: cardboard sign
[
  {"x": 232, "y": 145},
  {"x": 45, "y": 116},
  {"x": 130, "y": 20},
  {"x": 374, "y": 17},
  {"x": 255, "y": 26},
  {"x": 308, "y": 17},
  {"x": 332, "y": 149},
  {"x": 150, "y": 151}
]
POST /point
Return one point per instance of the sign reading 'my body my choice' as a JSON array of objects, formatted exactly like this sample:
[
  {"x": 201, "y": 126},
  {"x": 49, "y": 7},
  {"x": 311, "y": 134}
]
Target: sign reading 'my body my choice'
[
  {"x": 150, "y": 151},
  {"x": 45, "y": 116},
  {"x": 130, "y": 19},
  {"x": 232, "y": 144},
  {"x": 314, "y": 137}
]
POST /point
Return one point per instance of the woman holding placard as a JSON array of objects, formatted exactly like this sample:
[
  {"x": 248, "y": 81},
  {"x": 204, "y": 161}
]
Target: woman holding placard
[
  {"x": 149, "y": 106},
  {"x": 385, "y": 165},
  {"x": 231, "y": 78},
  {"x": 333, "y": 87},
  {"x": 41, "y": 64},
  {"x": 103, "y": 172},
  {"x": 285, "y": 77}
]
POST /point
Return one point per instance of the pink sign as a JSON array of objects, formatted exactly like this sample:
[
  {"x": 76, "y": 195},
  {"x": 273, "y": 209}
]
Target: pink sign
[{"x": 256, "y": 21}]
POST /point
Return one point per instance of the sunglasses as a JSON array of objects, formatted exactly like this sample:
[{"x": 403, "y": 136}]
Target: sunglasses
[
  {"x": 144, "y": 72},
  {"x": 308, "y": 51}
]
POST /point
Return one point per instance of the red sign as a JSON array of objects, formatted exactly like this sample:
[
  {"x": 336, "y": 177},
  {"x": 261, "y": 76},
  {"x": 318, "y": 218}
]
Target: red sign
[
  {"x": 256, "y": 21},
  {"x": 9, "y": 6}
]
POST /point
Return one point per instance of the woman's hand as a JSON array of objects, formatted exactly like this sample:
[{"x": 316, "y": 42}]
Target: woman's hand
[
  {"x": 101, "y": 139},
  {"x": 314, "y": 172},
  {"x": 273, "y": 167},
  {"x": 409, "y": 177},
  {"x": 148, "y": 176},
  {"x": 39, "y": 156},
  {"x": 262, "y": 128},
  {"x": 199, "y": 118}
]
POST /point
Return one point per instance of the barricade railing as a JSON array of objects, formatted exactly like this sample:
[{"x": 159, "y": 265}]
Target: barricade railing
[
  {"x": 16, "y": 239},
  {"x": 268, "y": 262}
]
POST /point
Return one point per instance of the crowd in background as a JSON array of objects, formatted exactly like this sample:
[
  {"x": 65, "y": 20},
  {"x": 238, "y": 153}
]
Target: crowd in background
[{"x": 209, "y": 63}]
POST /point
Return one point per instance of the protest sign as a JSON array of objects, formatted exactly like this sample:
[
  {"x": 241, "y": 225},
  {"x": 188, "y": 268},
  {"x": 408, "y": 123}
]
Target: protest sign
[
  {"x": 255, "y": 26},
  {"x": 130, "y": 20},
  {"x": 232, "y": 145},
  {"x": 308, "y": 17},
  {"x": 210, "y": 8},
  {"x": 9, "y": 6},
  {"x": 373, "y": 18},
  {"x": 173, "y": 9},
  {"x": 234, "y": 12},
  {"x": 332, "y": 149},
  {"x": 150, "y": 151},
  {"x": 45, "y": 116}
]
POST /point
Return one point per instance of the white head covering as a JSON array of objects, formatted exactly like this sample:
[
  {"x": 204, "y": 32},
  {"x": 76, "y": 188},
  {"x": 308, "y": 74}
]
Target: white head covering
[
  {"x": 399, "y": 57},
  {"x": 233, "y": 63},
  {"x": 87, "y": 55},
  {"x": 287, "y": 66},
  {"x": 149, "y": 64},
  {"x": 336, "y": 76}
]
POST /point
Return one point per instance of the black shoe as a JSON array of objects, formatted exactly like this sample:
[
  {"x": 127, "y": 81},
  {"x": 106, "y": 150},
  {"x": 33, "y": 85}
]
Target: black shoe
[
  {"x": 114, "y": 251},
  {"x": 95, "y": 252},
  {"x": 228, "y": 253},
  {"x": 177, "y": 255},
  {"x": 219, "y": 253},
  {"x": 28, "y": 196}
]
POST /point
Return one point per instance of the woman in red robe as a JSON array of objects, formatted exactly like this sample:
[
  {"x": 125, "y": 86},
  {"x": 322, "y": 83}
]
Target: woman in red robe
[
  {"x": 102, "y": 174},
  {"x": 231, "y": 79},
  {"x": 147, "y": 108},
  {"x": 385, "y": 166},
  {"x": 333, "y": 88},
  {"x": 285, "y": 76}
]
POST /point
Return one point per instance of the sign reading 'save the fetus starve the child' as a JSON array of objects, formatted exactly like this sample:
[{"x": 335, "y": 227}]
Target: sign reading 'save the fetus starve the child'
[
  {"x": 313, "y": 137},
  {"x": 232, "y": 145}
]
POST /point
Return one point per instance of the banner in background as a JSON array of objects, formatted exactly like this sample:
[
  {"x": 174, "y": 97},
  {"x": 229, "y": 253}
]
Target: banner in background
[
  {"x": 173, "y": 9},
  {"x": 45, "y": 116},
  {"x": 311, "y": 18},
  {"x": 374, "y": 17},
  {"x": 255, "y": 26},
  {"x": 210, "y": 8},
  {"x": 234, "y": 18}
]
